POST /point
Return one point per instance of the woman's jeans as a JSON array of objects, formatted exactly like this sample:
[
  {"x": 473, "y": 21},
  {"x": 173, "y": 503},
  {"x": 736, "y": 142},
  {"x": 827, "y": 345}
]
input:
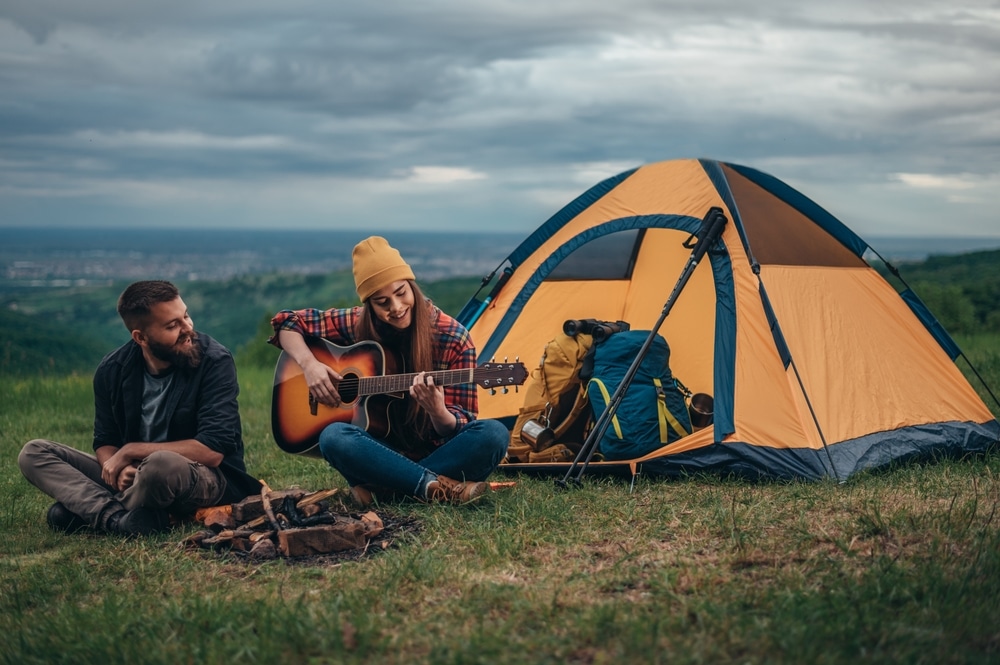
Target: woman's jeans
[{"x": 472, "y": 454}]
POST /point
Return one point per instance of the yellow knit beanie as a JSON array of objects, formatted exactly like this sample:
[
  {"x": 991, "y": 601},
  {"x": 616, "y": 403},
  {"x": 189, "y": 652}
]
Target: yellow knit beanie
[{"x": 377, "y": 265}]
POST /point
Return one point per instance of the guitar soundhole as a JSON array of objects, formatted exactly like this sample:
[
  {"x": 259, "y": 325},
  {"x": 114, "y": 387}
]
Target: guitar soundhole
[{"x": 349, "y": 388}]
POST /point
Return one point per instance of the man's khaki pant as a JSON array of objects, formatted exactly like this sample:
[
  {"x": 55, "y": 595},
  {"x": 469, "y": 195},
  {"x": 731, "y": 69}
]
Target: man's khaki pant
[{"x": 164, "y": 480}]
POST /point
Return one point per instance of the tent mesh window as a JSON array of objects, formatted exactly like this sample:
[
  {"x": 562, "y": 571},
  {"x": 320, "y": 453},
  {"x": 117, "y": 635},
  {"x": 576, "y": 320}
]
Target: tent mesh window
[{"x": 607, "y": 257}]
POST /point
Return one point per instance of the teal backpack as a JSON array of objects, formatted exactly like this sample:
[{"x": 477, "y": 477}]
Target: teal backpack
[{"x": 653, "y": 411}]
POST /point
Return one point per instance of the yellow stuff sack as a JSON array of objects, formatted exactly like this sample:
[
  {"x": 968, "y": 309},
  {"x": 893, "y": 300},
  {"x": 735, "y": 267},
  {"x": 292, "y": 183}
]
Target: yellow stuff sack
[
  {"x": 554, "y": 395},
  {"x": 557, "y": 453},
  {"x": 517, "y": 453}
]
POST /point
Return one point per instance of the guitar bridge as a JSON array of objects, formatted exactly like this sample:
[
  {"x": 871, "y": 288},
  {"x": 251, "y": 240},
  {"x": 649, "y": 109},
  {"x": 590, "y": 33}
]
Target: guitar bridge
[{"x": 313, "y": 405}]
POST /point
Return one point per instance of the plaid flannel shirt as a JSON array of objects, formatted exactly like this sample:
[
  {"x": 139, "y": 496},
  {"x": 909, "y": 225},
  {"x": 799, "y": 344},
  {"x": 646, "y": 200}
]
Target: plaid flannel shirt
[{"x": 452, "y": 346}]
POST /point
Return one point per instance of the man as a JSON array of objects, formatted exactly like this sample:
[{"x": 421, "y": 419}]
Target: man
[{"x": 167, "y": 434}]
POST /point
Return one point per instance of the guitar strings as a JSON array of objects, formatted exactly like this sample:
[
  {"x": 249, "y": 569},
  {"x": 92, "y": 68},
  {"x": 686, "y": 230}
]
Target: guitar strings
[
  {"x": 403, "y": 379},
  {"x": 400, "y": 382}
]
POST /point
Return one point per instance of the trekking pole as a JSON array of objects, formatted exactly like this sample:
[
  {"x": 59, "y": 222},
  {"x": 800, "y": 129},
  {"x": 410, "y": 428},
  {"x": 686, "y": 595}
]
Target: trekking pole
[{"x": 710, "y": 230}]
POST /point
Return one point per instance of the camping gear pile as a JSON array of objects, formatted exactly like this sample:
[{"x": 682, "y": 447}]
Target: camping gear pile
[
  {"x": 292, "y": 523},
  {"x": 572, "y": 387},
  {"x": 811, "y": 364}
]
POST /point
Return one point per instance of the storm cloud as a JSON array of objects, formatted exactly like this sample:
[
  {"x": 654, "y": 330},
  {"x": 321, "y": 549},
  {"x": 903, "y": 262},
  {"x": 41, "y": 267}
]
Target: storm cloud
[{"x": 488, "y": 115}]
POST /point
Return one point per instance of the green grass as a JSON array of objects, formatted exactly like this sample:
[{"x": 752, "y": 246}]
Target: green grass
[{"x": 900, "y": 566}]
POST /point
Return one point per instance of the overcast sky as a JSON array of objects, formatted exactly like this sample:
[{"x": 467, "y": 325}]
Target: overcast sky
[{"x": 489, "y": 114}]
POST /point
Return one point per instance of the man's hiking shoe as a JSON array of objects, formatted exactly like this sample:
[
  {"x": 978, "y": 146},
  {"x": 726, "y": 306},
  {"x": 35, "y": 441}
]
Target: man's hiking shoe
[
  {"x": 61, "y": 519},
  {"x": 361, "y": 496},
  {"x": 446, "y": 490},
  {"x": 139, "y": 522}
]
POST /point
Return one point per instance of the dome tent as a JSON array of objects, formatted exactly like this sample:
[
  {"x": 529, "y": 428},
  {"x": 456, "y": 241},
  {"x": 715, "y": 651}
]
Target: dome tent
[{"x": 818, "y": 367}]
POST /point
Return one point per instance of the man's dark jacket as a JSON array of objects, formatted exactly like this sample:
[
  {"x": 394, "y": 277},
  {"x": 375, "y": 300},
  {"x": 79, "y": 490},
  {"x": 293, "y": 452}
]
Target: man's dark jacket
[{"x": 201, "y": 405}]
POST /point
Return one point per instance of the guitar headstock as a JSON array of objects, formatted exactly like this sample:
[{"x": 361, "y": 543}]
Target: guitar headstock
[{"x": 495, "y": 375}]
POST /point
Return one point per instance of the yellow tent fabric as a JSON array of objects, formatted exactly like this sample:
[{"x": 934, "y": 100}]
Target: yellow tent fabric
[{"x": 817, "y": 366}]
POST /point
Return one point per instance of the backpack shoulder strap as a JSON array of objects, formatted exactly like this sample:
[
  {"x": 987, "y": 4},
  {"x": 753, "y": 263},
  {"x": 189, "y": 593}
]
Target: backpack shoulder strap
[
  {"x": 607, "y": 401},
  {"x": 664, "y": 414}
]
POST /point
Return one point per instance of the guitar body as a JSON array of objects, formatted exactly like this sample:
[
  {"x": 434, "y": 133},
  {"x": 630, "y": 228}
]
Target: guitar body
[
  {"x": 296, "y": 421},
  {"x": 372, "y": 393}
]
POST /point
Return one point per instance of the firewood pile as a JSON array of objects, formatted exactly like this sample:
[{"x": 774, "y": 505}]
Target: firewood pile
[{"x": 292, "y": 524}]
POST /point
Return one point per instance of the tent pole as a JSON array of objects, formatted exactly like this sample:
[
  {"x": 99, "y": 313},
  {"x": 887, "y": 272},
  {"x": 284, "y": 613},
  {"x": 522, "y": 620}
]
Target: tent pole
[
  {"x": 812, "y": 412},
  {"x": 711, "y": 228}
]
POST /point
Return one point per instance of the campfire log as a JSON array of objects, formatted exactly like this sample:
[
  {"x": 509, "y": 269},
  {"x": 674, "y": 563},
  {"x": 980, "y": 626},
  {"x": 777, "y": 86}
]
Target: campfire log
[{"x": 268, "y": 511}]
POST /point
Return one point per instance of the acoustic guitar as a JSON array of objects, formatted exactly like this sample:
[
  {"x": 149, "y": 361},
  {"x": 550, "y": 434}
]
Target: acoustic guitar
[{"x": 369, "y": 391}]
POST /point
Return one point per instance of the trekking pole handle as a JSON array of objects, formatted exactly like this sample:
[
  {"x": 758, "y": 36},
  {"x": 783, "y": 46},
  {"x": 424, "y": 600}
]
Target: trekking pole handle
[{"x": 711, "y": 228}]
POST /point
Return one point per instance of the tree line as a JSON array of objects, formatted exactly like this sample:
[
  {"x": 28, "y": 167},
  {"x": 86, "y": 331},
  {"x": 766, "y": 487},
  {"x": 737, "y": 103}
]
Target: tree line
[{"x": 59, "y": 331}]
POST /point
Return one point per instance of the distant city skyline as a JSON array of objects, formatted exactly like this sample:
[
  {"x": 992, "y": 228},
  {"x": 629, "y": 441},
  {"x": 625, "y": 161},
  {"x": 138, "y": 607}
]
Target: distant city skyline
[
  {"x": 31, "y": 258},
  {"x": 457, "y": 116},
  {"x": 79, "y": 256}
]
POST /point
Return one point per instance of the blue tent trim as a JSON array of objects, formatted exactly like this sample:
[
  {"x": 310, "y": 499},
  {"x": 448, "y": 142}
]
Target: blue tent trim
[
  {"x": 873, "y": 451},
  {"x": 724, "y": 374},
  {"x": 718, "y": 178},
  {"x": 947, "y": 439},
  {"x": 568, "y": 212},
  {"x": 474, "y": 307},
  {"x": 772, "y": 322},
  {"x": 933, "y": 326}
]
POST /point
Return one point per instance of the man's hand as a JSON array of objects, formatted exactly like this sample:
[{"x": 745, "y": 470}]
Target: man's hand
[
  {"x": 126, "y": 477},
  {"x": 113, "y": 467}
]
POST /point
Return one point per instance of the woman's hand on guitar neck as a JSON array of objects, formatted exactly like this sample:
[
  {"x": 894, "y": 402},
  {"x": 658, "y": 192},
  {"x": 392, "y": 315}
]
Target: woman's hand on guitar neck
[{"x": 430, "y": 397}]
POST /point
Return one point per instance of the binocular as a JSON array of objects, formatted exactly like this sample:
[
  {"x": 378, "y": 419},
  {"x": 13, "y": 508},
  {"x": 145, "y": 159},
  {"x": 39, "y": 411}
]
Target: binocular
[{"x": 599, "y": 330}]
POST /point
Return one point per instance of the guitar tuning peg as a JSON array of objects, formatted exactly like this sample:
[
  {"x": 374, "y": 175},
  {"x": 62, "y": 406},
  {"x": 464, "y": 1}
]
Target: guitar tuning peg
[
  {"x": 493, "y": 391},
  {"x": 505, "y": 359},
  {"x": 506, "y": 390},
  {"x": 493, "y": 359}
]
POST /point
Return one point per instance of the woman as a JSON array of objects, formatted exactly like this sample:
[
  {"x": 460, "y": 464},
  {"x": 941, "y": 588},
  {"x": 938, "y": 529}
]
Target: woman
[{"x": 438, "y": 450}]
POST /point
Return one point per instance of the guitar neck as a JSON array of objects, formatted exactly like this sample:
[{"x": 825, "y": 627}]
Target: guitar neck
[{"x": 399, "y": 383}]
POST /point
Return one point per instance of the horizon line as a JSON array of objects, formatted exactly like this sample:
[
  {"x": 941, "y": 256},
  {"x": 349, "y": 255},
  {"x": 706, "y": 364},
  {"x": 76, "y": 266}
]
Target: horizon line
[{"x": 14, "y": 227}]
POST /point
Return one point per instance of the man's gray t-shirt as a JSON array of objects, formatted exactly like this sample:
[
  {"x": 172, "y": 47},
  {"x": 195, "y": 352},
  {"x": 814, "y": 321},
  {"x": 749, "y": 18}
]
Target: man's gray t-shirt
[{"x": 154, "y": 406}]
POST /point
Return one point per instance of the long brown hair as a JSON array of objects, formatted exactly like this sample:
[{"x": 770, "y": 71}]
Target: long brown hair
[{"x": 418, "y": 357}]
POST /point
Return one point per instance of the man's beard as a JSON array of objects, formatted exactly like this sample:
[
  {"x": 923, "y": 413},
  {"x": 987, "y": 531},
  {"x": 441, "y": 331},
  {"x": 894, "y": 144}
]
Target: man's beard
[{"x": 177, "y": 357}]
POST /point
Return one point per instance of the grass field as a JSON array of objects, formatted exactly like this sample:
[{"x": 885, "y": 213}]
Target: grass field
[{"x": 897, "y": 566}]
